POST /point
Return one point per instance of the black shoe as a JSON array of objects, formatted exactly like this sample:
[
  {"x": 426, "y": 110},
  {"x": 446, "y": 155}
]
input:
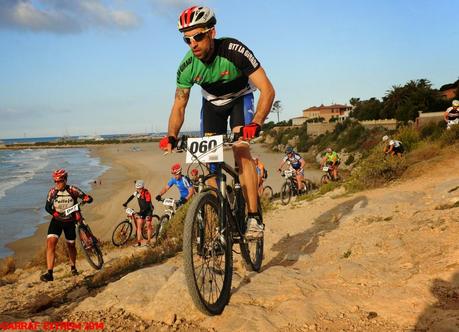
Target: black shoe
[{"x": 46, "y": 277}]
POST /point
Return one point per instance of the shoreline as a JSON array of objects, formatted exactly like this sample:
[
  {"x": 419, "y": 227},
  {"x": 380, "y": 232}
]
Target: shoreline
[{"x": 125, "y": 166}]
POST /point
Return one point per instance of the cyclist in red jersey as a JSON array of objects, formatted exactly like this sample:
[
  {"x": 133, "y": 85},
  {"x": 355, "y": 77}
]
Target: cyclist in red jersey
[{"x": 61, "y": 197}]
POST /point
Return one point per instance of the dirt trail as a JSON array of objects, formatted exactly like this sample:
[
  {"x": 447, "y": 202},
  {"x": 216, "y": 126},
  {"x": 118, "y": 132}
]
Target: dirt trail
[{"x": 379, "y": 260}]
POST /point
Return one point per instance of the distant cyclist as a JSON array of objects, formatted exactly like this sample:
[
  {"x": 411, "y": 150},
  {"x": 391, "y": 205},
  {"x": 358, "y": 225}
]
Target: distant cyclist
[
  {"x": 61, "y": 197},
  {"x": 194, "y": 177},
  {"x": 331, "y": 159},
  {"x": 261, "y": 174},
  {"x": 145, "y": 213},
  {"x": 296, "y": 163},
  {"x": 393, "y": 147},
  {"x": 183, "y": 184},
  {"x": 452, "y": 114}
]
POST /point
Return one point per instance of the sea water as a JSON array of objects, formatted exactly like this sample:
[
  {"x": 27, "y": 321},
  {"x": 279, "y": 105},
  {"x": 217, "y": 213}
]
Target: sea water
[{"x": 25, "y": 179}]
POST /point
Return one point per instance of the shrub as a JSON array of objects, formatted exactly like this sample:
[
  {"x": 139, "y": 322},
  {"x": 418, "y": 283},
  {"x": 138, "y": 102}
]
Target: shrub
[
  {"x": 449, "y": 136},
  {"x": 433, "y": 130},
  {"x": 7, "y": 266},
  {"x": 409, "y": 137},
  {"x": 375, "y": 171}
]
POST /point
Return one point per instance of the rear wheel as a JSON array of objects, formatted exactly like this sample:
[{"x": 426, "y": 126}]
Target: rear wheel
[
  {"x": 286, "y": 192},
  {"x": 122, "y": 233},
  {"x": 154, "y": 222},
  {"x": 267, "y": 193},
  {"x": 90, "y": 247},
  {"x": 208, "y": 258}
]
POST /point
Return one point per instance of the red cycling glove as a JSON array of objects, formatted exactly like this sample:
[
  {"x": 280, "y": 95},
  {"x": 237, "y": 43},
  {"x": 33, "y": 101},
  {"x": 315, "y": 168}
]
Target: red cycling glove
[
  {"x": 167, "y": 140},
  {"x": 251, "y": 130}
]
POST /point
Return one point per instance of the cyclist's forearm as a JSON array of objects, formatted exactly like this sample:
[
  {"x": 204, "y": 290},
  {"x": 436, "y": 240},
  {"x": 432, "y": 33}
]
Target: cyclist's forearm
[
  {"x": 265, "y": 102},
  {"x": 178, "y": 111},
  {"x": 49, "y": 207}
]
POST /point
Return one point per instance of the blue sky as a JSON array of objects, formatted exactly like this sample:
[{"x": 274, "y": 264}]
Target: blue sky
[{"x": 82, "y": 67}]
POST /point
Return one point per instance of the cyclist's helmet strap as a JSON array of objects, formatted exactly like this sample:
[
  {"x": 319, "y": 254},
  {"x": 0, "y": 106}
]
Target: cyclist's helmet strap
[{"x": 196, "y": 17}]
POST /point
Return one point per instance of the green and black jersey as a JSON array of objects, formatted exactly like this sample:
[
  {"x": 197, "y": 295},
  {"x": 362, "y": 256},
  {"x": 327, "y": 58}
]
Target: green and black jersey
[{"x": 224, "y": 76}]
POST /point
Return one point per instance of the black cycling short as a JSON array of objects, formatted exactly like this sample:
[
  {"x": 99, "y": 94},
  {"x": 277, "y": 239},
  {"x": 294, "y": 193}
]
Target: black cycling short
[
  {"x": 56, "y": 227},
  {"x": 398, "y": 149},
  {"x": 214, "y": 119}
]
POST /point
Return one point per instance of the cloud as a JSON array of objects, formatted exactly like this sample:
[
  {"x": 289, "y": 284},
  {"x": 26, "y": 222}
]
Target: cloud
[
  {"x": 170, "y": 8},
  {"x": 63, "y": 16}
]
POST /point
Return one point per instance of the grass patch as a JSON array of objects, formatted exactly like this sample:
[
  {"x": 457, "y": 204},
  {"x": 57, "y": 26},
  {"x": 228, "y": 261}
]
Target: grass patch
[{"x": 7, "y": 266}]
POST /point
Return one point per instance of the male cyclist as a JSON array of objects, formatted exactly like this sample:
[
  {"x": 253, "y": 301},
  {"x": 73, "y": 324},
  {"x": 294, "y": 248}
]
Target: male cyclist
[
  {"x": 183, "y": 184},
  {"x": 61, "y": 197},
  {"x": 331, "y": 159},
  {"x": 228, "y": 73},
  {"x": 195, "y": 179},
  {"x": 261, "y": 174},
  {"x": 146, "y": 211},
  {"x": 452, "y": 114},
  {"x": 394, "y": 147},
  {"x": 296, "y": 163}
]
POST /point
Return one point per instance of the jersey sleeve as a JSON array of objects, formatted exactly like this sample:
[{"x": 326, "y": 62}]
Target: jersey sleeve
[
  {"x": 171, "y": 182},
  {"x": 184, "y": 72},
  {"x": 187, "y": 182},
  {"x": 240, "y": 55}
]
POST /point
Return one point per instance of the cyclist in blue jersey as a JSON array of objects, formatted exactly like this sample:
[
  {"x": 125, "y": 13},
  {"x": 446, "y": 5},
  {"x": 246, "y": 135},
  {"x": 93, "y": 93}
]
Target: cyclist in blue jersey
[
  {"x": 228, "y": 73},
  {"x": 296, "y": 163},
  {"x": 183, "y": 183}
]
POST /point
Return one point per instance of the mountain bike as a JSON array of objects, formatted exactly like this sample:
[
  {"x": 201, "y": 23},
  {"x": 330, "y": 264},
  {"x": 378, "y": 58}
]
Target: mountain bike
[
  {"x": 123, "y": 231},
  {"x": 215, "y": 220},
  {"x": 171, "y": 207},
  {"x": 89, "y": 244},
  {"x": 290, "y": 186},
  {"x": 328, "y": 176}
]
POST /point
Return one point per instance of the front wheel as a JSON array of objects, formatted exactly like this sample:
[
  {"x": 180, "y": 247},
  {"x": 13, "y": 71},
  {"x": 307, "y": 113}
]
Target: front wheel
[
  {"x": 207, "y": 252},
  {"x": 122, "y": 233},
  {"x": 325, "y": 179},
  {"x": 286, "y": 192},
  {"x": 252, "y": 250},
  {"x": 90, "y": 246}
]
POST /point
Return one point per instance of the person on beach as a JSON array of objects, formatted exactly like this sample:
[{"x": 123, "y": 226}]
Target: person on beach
[
  {"x": 145, "y": 213},
  {"x": 228, "y": 73},
  {"x": 61, "y": 197},
  {"x": 183, "y": 183},
  {"x": 296, "y": 163}
]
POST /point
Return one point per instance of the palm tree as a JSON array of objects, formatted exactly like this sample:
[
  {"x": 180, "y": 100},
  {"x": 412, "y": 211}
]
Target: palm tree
[{"x": 277, "y": 108}]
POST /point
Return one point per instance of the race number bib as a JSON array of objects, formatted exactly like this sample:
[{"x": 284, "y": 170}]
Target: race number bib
[
  {"x": 205, "y": 149},
  {"x": 72, "y": 209}
]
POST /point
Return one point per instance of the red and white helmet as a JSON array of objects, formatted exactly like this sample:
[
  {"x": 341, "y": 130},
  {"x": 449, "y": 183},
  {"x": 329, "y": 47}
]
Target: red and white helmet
[
  {"x": 176, "y": 169},
  {"x": 196, "y": 17},
  {"x": 60, "y": 175}
]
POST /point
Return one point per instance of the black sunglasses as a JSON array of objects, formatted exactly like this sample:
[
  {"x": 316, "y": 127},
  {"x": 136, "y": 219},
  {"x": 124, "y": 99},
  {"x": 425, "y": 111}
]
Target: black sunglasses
[{"x": 196, "y": 37}]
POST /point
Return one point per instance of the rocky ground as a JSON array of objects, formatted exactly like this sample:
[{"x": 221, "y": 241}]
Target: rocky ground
[{"x": 379, "y": 260}]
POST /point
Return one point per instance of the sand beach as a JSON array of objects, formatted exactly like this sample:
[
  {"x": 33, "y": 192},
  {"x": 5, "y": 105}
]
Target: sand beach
[{"x": 127, "y": 163}]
